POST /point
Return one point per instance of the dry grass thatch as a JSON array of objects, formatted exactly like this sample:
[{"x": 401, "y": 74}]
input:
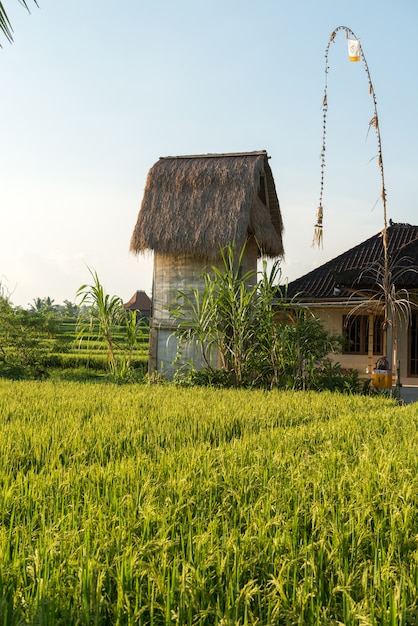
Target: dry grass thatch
[{"x": 194, "y": 205}]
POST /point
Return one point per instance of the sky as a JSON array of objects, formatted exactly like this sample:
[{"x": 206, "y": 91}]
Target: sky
[{"x": 93, "y": 93}]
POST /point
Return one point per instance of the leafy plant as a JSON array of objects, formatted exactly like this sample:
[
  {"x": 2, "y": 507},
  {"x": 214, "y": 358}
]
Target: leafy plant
[
  {"x": 234, "y": 300},
  {"x": 332, "y": 377},
  {"x": 219, "y": 317},
  {"x": 196, "y": 317},
  {"x": 262, "y": 338},
  {"x": 103, "y": 314},
  {"x": 101, "y": 318}
]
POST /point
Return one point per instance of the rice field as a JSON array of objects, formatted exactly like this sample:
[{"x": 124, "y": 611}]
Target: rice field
[{"x": 154, "y": 505}]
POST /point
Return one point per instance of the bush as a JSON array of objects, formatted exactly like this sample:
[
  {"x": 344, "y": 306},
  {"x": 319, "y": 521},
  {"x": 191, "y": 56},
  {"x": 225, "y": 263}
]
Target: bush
[
  {"x": 191, "y": 377},
  {"x": 332, "y": 377}
]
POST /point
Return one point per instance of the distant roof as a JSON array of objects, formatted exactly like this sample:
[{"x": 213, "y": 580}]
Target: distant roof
[
  {"x": 139, "y": 302},
  {"x": 337, "y": 278},
  {"x": 195, "y": 204}
]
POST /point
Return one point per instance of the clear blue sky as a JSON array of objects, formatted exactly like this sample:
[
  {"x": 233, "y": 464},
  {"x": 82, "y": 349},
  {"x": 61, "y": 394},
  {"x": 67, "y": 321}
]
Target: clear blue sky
[{"x": 93, "y": 93}]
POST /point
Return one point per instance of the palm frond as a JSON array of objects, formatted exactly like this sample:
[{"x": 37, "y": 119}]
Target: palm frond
[
  {"x": 383, "y": 291},
  {"x": 5, "y": 24}
]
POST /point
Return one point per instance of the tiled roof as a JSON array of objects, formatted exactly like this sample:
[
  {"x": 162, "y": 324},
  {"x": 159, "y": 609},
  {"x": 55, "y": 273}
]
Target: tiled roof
[{"x": 337, "y": 278}]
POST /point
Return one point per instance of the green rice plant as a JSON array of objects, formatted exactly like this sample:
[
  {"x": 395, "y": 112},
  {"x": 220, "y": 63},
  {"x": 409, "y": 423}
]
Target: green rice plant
[{"x": 163, "y": 505}]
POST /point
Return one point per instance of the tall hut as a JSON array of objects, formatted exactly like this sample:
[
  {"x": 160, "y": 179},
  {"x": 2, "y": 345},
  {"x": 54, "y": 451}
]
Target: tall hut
[{"x": 192, "y": 207}]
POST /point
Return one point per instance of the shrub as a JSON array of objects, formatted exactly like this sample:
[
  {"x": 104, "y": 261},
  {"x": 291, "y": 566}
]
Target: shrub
[{"x": 262, "y": 338}]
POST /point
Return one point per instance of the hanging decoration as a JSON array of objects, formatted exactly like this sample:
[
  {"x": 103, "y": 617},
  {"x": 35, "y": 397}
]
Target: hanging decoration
[
  {"x": 318, "y": 232},
  {"x": 354, "y": 49}
]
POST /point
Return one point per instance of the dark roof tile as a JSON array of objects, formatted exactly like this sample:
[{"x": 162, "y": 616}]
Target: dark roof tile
[{"x": 347, "y": 271}]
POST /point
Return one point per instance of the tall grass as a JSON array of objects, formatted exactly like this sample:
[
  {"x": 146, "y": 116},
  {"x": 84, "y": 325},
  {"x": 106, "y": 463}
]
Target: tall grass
[{"x": 159, "y": 505}]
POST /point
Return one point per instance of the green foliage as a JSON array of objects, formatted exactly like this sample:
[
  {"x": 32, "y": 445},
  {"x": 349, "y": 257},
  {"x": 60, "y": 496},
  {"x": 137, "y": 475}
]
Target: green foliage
[
  {"x": 41, "y": 342},
  {"x": 206, "y": 377},
  {"x": 196, "y": 318},
  {"x": 234, "y": 300},
  {"x": 161, "y": 505},
  {"x": 298, "y": 347},
  {"x": 333, "y": 377},
  {"x": 5, "y": 25},
  {"x": 262, "y": 338},
  {"x": 42, "y": 305},
  {"x": 101, "y": 318},
  {"x": 25, "y": 341},
  {"x": 102, "y": 314}
]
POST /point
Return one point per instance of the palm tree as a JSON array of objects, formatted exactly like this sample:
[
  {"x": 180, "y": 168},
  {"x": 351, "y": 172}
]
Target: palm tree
[
  {"x": 5, "y": 25},
  {"x": 42, "y": 305}
]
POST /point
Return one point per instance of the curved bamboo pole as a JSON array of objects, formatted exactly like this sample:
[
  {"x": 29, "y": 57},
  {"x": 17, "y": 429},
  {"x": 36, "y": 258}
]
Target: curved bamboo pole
[{"x": 318, "y": 229}]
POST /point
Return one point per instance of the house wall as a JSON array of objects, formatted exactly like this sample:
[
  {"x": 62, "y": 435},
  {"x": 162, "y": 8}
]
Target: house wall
[
  {"x": 332, "y": 318},
  {"x": 173, "y": 274}
]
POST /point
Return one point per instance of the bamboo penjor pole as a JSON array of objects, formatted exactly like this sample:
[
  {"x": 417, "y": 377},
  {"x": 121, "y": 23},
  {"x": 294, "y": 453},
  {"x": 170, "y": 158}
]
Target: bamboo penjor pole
[{"x": 356, "y": 53}]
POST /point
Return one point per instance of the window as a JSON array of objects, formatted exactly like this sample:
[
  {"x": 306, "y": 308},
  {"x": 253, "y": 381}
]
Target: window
[
  {"x": 413, "y": 346},
  {"x": 356, "y": 334}
]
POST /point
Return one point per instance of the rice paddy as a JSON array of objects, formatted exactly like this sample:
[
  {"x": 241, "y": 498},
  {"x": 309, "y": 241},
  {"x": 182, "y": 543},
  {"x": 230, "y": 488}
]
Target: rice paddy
[{"x": 155, "y": 505}]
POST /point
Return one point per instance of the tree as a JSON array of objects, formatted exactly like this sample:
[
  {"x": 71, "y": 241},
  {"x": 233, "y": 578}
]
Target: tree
[
  {"x": 382, "y": 295},
  {"x": 42, "y": 305},
  {"x": 70, "y": 309},
  {"x": 5, "y": 25},
  {"x": 24, "y": 341}
]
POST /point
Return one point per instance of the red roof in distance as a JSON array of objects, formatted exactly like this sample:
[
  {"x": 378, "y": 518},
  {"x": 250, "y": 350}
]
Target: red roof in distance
[{"x": 139, "y": 302}]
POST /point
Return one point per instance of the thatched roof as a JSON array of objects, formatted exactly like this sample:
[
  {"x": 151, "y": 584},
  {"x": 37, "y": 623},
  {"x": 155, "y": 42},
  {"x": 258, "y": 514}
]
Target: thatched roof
[{"x": 193, "y": 205}]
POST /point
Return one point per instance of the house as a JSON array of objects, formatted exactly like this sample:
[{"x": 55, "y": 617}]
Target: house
[
  {"x": 347, "y": 294},
  {"x": 140, "y": 302},
  {"x": 192, "y": 207}
]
